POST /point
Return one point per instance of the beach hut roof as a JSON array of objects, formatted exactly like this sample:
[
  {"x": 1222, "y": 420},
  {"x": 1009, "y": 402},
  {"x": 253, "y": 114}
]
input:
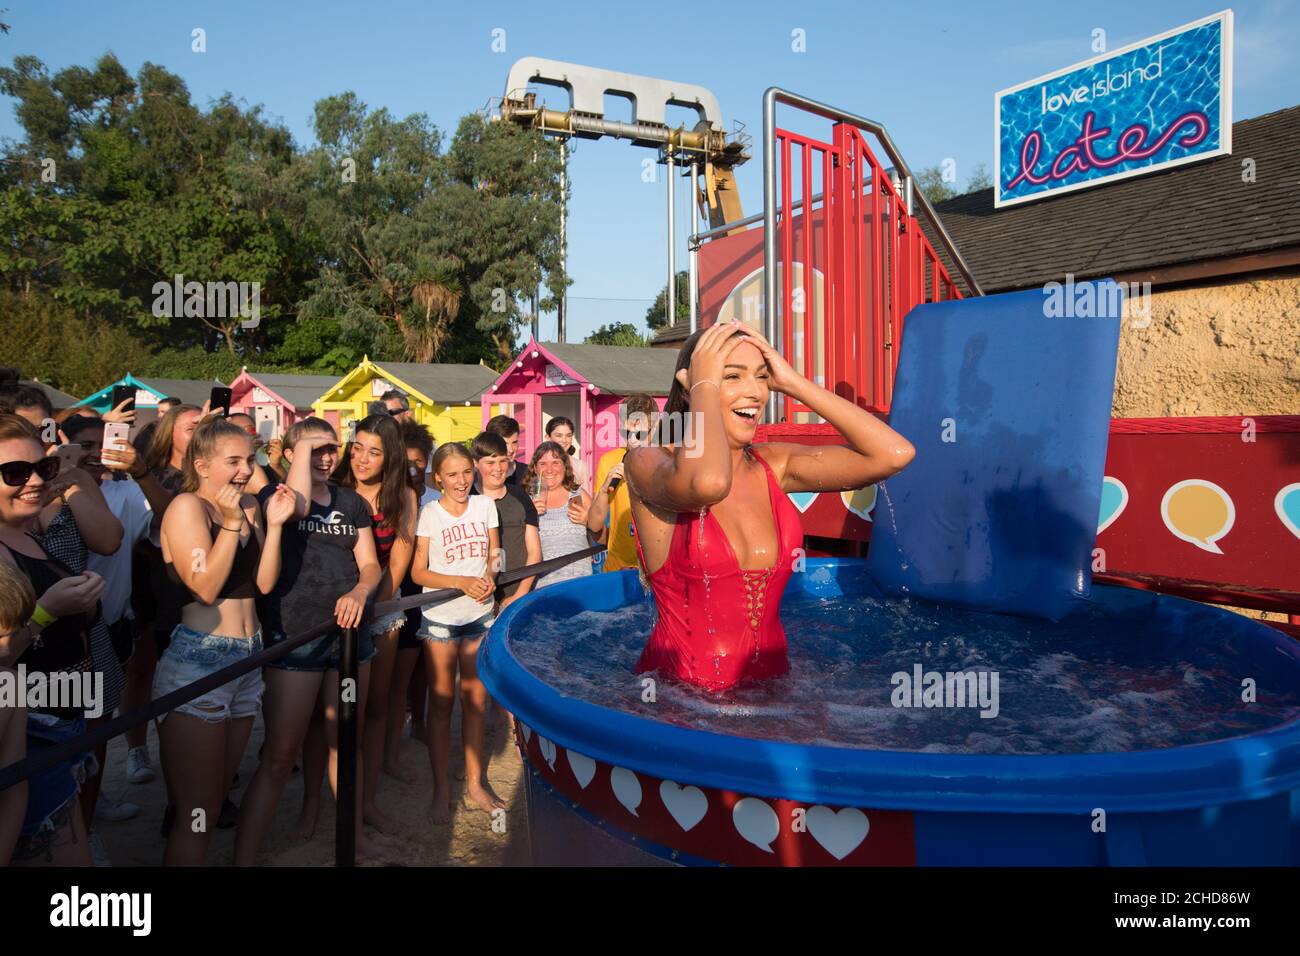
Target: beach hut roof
[
  {"x": 614, "y": 369},
  {"x": 59, "y": 399},
  {"x": 189, "y": 391},
  {"x": 299, "y": 391},
  {"x": 444, "y": 384}
]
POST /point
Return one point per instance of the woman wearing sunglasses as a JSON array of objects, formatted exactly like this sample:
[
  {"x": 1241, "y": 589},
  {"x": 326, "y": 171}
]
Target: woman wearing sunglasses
[{"x": 54, "y": 642}]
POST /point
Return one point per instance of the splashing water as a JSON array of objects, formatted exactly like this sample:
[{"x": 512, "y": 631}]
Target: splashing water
[{"x": 1097, "y": 682}]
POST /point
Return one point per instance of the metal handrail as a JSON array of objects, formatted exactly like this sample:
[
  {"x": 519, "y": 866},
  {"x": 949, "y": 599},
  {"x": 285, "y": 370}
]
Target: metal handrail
[{"x": 771, "y": 97}]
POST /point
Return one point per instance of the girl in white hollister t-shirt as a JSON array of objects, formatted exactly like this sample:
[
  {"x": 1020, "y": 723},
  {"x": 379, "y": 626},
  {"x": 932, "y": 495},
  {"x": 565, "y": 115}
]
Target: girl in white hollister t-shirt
[{"x": 457, "y": 546}]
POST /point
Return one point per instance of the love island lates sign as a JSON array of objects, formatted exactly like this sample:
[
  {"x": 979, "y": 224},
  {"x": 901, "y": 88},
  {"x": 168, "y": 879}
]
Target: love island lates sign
[{"x": 1148, "y": 106}]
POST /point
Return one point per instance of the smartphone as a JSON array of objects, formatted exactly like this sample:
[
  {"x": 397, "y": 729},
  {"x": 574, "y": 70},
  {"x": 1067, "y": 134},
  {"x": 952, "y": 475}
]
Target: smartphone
[
  {"x": 219, "y": 397},
  {"x": 613, "y": 482},
  {"x": 123, "y": 393},
  {"x": 69, "y": 456},
  {"x": 116, "y": 435}
]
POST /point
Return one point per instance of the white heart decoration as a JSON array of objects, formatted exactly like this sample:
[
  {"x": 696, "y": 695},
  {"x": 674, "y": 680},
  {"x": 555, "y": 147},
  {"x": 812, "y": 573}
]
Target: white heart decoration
[
  {"x": 548, "y": 750},
  {"x": 627, "y": 788},
  {"x": 756, "y": 822},
  {"x": 839, "y": 832},
  {"x": 687, "y": 805},
  {"x": 528, "y": 731},
  {"x": 584, "y": 768}
]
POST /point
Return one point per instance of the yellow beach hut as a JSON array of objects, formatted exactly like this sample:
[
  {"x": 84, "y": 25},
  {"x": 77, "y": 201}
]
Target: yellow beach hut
[{"x": 444, "y": 398}]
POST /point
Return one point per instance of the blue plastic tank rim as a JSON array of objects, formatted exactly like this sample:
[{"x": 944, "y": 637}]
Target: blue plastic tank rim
[{"x": 1225, "y": 771}]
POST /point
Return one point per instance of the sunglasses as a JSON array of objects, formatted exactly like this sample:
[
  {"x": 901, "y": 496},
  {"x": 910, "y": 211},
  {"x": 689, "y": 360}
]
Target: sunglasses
[{"x": 18, "y": 473}]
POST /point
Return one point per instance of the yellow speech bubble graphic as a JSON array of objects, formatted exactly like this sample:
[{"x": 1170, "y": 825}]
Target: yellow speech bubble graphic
[
  {"x": 860, "y": 501},
  {"x": 1199, "y": 512}
]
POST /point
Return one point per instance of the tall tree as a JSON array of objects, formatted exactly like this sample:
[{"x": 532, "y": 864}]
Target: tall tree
[
  {"x": 657, "y": 315},
  {"x": 121, "y": 183}
]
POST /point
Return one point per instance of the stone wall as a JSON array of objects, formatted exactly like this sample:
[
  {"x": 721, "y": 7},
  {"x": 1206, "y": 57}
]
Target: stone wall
[{"x": 1231, "y": 347}]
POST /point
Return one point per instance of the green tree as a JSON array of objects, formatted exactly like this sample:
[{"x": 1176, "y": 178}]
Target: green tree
[
  {"x": 435, "y": 251},
  {"x": 35, "y": 334},
  {"x": 656, "y": 315},
  {"x": 932, "y": 184},
  {"x": 122, "y": 183},
  {"x": 616, "y": 333},
  {"x": 936, "y": 189}
]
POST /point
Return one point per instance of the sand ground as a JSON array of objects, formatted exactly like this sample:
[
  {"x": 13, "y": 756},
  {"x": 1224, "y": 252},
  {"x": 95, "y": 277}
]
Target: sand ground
[{"x": 468, "y": 841}]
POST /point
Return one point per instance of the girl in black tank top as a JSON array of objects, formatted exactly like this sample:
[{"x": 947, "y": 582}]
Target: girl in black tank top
[
  {"x": 241, "y": 582},
  {"x": 218, "y": 553}
]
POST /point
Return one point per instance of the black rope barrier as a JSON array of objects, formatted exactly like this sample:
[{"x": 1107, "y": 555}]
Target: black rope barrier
[{"x": 51, "y": 756}]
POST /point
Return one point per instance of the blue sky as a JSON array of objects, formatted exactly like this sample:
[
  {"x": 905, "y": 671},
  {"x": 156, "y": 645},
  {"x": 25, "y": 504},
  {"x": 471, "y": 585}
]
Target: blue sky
[{"x": 932, "y": 84}]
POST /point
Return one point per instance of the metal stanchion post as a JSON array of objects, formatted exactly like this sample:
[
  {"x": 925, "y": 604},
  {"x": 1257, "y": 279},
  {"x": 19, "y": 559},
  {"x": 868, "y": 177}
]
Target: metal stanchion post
[{"x": 345, "y": 828}]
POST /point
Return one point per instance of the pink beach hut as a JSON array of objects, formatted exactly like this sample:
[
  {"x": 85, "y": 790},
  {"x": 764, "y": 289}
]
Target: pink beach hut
[
  {"x": 584, "y": 383},
  {"x": 276, "y": 401}
]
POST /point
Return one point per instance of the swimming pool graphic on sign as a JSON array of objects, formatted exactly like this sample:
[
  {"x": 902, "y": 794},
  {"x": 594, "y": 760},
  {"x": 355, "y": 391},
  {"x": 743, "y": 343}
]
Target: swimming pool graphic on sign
[{"x": 1153, "y": 104}]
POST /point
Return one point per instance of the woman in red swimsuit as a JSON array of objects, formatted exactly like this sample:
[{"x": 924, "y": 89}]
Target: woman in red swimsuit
[{"x": 715, "y": 531}]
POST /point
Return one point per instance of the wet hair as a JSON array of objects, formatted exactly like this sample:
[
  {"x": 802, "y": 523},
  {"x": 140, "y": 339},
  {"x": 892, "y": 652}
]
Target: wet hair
[
  {"x": 392, "y": 479},
  {"x": 502, "y": 425},
  {"x": 159, "y": 455},
  {"x": 559, "y": 421},
  {"x": 204, "y": 445},
  {"x": 77, "y": 424},
  {"x": 14, "y": 397},
  {"x": 17, "y": 599},
  {"x": 487, "y": 444},
  {"x": 671, "y": 422},
  {"x": 400, "y": 396},
  {"x": 552, "y": 447},
  {"x": 448, "y": 449},
  {"x": 308, "y": 426},
  {"x": 415, "y": 435}
]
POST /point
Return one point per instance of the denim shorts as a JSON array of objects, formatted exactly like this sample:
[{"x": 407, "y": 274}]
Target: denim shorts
[
  {"x": 322, "y": 654},
  {"x": 432, "y": 631},
  {"x": 192, "y": 655},
  {"x": 382, "y": 625},
  {"x": 51, "y": 791}
]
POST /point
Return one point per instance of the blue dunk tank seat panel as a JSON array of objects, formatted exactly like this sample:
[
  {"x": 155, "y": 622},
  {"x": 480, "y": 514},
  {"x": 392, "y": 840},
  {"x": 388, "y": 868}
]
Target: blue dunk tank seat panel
[{"x": 1007, "y": 400}]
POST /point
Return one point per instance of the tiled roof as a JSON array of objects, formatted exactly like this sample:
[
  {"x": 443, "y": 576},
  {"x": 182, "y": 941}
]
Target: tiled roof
[
  {"x": 299, "y": 390},
  {"x": 445, "y": 384},
  {"x": 619, "y": 369},
  {"x": 189, "y": 391},
  {"x": 59, "y": 399}
]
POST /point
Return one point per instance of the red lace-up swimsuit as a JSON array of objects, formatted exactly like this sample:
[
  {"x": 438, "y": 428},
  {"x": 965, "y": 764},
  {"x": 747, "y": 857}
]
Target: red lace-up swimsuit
[{"x": 718, "y": 624}]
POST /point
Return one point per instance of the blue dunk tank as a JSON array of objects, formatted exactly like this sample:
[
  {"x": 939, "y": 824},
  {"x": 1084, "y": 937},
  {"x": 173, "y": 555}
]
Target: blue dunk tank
[{"x": 963, "y": 696}]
